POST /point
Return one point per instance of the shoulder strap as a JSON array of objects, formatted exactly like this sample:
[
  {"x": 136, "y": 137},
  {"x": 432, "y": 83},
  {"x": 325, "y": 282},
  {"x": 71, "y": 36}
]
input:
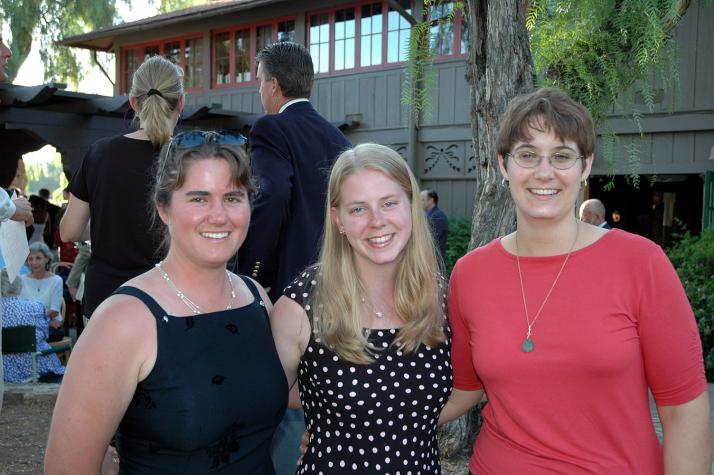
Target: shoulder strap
[
  {"x": 146, "y": 299},
  {"x": 254, "y": 290}
]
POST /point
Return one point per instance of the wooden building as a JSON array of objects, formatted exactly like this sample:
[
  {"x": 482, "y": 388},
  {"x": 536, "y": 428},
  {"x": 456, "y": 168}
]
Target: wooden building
[{"x": 358, "y": 52}]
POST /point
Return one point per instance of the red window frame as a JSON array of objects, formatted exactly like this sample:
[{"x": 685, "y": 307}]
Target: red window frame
[
  {"x": 384, "y": 64},
  {"x": 160, "y": 44},
  {"x": 273, "y": 23}
]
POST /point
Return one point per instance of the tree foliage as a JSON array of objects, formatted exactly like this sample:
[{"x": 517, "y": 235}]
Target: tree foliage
[
  {"x": 52, "y": 20},
  {"x": 596, "y": 50},
  {"x": 49, "y": 21}
]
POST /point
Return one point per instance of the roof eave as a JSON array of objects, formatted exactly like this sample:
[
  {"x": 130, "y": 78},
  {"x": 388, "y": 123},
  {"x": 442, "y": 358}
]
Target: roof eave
[{"x": 104, "y": 39}]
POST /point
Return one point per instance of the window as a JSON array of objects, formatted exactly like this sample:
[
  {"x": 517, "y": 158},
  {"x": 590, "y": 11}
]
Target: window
[
  {"x": 344, "y": 39},
  {"x": 186, "y": 53},
  {"x": 223, "y": 58},
  {"x": 371, "y": 35},
  {"x": 234, "y": 50},
  {"x": 319, "y": 38},
  {"x": 286, "y": 30},
  {"x": 131, "y": 64},
  {"x": 442, "y": 34},
  {"x": 149, "y": 51},
  {"x": 449, "y": 37},
  {"x": 398, "y": 33},
  {"x": 172, "y": 52},
  {"x": 193, "y": 66},
  {"x": 464, "y": 33},
  {"x": 242, "y": 44}
]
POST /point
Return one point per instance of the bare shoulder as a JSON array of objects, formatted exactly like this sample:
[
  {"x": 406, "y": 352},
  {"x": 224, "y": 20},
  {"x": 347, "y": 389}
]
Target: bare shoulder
[{"x": 261, "y": 291}]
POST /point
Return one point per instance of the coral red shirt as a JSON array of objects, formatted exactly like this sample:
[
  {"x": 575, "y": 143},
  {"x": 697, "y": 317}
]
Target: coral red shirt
[{"x": 617, "y": 323}]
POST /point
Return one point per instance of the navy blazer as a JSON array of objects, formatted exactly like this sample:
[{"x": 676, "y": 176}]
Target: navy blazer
[{"x": 291, "y": 156}]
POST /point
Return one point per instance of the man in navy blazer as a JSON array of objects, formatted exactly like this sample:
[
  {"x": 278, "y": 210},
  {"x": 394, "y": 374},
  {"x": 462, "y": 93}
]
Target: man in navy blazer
[{"x": 292, "y": 150}]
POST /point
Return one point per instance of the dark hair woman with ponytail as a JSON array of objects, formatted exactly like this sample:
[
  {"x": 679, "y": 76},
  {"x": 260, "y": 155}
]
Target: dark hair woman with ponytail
[{"x": 113, "y": 185}]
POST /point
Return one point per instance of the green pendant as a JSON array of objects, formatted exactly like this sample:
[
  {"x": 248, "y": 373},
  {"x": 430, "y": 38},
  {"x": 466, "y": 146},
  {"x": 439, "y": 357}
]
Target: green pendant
[{"x": 527, "y": 345}]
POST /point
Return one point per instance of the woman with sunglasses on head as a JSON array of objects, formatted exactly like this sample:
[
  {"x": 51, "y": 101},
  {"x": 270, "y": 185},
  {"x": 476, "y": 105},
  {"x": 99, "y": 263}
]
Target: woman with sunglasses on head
[
  {"x": 364, "y": 331},
  {"x": 180, "y": 361},
  {"x": 567, "y": 326},
  {"x": 113, "y": 185}
]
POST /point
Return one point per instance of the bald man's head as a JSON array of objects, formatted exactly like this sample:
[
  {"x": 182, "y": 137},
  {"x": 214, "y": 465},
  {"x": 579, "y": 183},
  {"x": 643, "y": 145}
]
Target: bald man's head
[{"x": 593, "y": 212}]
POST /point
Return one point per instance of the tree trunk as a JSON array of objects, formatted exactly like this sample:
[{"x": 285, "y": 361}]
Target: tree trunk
[{"x": 500, "y": 67}]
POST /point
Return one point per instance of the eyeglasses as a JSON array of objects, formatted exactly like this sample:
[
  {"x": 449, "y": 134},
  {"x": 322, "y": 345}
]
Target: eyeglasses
[
  {"x": 196, "y": 138},
  {"x": 561, "y": 160}
]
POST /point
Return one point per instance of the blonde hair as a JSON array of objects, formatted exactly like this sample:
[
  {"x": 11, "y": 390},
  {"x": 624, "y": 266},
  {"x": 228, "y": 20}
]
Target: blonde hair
[
  {"x": 155, "y": 110},
  {"x": 336, "y": 299}
]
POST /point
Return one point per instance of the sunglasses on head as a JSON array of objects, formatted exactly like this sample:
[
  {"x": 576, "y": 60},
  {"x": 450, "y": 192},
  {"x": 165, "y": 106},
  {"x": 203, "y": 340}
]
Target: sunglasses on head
[{"x": 196, "y": 138}]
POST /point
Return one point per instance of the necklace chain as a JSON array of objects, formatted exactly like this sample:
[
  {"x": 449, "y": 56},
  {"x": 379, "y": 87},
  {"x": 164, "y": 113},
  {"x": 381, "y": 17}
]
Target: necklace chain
[
  {"x": 377, "y": 314},
  {"x": 193, "y": 306},
  {"x": 528, "y": 343}
]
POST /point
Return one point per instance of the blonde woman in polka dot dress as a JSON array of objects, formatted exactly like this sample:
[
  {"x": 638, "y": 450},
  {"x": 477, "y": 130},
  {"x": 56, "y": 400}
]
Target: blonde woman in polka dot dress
[{"x": 364, "y": 331}]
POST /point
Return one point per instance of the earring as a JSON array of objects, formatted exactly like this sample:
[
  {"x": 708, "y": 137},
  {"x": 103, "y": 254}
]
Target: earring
[
  {"x": 584, "y": 183},
  {"x": 342, "y": 230},
  {"x": 504, "y": 182}
]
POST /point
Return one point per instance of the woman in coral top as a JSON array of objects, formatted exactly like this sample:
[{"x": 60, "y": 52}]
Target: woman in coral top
[{"x": 566, "y": 326}]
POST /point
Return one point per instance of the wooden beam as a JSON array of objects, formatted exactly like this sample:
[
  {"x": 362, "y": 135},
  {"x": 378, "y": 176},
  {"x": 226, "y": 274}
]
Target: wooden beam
[{"x": 402, "y": 11}]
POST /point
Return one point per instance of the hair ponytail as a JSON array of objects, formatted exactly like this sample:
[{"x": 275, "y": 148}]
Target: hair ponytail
[{"x": 158, "y": 87}]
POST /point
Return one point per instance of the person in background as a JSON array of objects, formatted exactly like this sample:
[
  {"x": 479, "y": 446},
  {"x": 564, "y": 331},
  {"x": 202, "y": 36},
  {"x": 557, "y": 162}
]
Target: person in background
[
  {"x": 53, "y": 221},
  {"x": 592, "y": 212},
  {"x": 365, "y": 331},
  {"x": 180, "y": 361},
  {"x": 18, "y": 311},
  {"x": 114, "y": 183},
  {"x": 67, "y": 250},
  {"x": 292, "y": 150},
  {"x": 18, "y": 209},
  {"x": 45, "y": 287},
  {"x": 568, "y": 376},
  {"x": 41, "y": 219},
  {"x": 438, "y": 222}
]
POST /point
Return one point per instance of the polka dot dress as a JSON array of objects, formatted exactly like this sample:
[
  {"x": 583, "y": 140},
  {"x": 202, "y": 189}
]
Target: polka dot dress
[{"x": 375, "y": 418}]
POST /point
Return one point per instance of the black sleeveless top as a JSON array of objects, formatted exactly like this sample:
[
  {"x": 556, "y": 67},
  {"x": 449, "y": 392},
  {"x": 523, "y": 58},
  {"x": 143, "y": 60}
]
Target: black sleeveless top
[{"x": 213, "y": 398}]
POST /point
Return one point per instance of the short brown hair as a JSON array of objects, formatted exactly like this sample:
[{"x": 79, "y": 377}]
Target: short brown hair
[{"x": 546, "y": 109}]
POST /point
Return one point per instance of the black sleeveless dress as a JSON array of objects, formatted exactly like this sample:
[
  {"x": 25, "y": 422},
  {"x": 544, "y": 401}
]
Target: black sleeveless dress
[{"x": 213, "y": 399}]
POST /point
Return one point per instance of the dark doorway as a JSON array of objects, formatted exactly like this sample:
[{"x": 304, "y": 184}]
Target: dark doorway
[{"x": 656, "y": 209}]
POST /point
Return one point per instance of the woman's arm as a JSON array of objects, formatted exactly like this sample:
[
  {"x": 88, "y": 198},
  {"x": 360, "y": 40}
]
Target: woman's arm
[
  {"x": 687, "y": 437},
  {"x": 458, "y": 404},
  {"x": 55, "y": 306},
  {"x": 291, "y": 332},
  {"x": 74, "y": 222},
  {"x": 116, "y": 351}
]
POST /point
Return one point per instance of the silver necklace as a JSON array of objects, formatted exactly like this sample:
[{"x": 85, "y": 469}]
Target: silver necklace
[
  {"x": 193, "y": 306},
  {"x": 377, "y": 314},
  {"x": 527, "y": 345}
]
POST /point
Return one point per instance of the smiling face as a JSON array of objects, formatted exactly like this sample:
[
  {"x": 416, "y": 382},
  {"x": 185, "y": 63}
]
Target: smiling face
[
  {"x": 543, "y": 192},
  {"x": 375, "y": 214},
  {"x": 37, "y": 262},
  {"x": 5, "y": 55},
  {"x": 208, "y": 215}
]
